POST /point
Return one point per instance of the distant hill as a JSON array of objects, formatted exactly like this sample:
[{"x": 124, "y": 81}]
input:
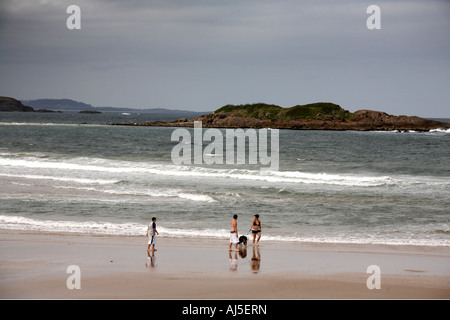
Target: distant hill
[
  {"x": 59, "y": 104},
  {"x": 72, "y": 105}
]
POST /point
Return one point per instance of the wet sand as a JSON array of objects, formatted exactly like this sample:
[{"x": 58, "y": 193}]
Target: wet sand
[{"x": 35, "y": 266}]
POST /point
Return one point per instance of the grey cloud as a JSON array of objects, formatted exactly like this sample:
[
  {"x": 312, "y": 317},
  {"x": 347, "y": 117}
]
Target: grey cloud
[{"x": 216, "y": 52}]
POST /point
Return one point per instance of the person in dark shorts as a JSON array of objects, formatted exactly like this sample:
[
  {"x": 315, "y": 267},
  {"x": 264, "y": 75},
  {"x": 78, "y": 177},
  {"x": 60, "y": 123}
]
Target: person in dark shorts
[{"x": 256, "y": 229}]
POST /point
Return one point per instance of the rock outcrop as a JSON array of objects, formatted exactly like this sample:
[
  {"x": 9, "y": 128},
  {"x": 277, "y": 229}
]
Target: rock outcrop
[
  {"x": 8, "y": 104},
  {"x": 316, "y": 116},
  {"x": 90, "y": 112}
]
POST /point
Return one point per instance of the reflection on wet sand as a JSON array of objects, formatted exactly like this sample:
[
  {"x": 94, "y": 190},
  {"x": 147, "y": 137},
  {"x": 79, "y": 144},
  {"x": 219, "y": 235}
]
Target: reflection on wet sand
[
  {"x": 151, "y": 261},
  {"x": 255, "y": 262},
  {"x": 233, "y": 261},
  {"x": 243, "y": 252}
]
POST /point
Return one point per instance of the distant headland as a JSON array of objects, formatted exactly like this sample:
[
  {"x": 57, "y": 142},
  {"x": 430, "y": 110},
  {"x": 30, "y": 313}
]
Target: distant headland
[
  {"x": 315, "y": 116},
  {"x": 8, "y": 104},
  {"x": 67, "y": 105}
]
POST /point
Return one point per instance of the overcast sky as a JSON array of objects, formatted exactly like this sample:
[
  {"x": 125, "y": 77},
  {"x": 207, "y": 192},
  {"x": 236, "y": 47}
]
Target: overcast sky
[{"x": 202, "y": 54}]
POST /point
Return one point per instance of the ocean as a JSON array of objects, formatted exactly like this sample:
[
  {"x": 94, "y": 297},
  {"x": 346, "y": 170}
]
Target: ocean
[{"x": 74, "y": 173}]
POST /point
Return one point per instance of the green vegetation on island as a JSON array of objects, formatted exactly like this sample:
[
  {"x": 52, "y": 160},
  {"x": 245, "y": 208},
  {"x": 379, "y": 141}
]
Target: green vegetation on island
[{"x": 273, "y": 112}]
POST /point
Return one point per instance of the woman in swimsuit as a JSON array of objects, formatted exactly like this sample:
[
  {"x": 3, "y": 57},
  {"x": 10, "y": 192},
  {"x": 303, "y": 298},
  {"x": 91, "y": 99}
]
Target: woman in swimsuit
[{"x": 256, "y": 228}]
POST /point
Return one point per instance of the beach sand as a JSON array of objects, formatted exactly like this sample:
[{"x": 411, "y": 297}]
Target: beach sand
[{"x": 35, "y": 266}]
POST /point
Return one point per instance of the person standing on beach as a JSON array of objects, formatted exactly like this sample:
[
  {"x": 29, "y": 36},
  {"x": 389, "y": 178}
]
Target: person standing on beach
[
  {"x": 256, "y": 229},
  {"x": 151, "y": 234},
  {"x": 234, "y": 233}
]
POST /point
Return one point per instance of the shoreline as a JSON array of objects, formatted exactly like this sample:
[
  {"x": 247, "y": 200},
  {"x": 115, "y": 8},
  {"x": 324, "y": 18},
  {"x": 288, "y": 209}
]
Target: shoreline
[
  {"x": 34, "y": 266},
  {"x": 190, "y": 125},
  {"x": 160, "y": 124}
]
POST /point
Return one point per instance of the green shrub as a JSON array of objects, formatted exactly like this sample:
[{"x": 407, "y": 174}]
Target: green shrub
[{"x": 271, "y": 111}]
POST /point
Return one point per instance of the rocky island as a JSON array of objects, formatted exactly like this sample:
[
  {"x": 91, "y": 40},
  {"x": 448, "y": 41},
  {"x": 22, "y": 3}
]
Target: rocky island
[
  {"x": 315, "y": 116},
  {"x": 90, "y": 112}
]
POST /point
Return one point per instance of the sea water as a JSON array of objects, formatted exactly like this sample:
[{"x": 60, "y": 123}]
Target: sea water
[{"x": 58, "y": 175}]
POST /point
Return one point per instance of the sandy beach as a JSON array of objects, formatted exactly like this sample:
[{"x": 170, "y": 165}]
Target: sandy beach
[{"x": 35, "y": 266}]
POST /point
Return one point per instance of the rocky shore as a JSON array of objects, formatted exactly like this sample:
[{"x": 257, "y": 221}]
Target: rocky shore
[{"x": 319, "y": 116}]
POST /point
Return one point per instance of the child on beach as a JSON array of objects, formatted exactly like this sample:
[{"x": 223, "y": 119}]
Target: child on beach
[{"x": 151, "y": 234}]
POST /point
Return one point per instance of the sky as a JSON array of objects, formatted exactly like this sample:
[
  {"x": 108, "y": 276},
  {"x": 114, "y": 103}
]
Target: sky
[{"x": 200, "y": 55}]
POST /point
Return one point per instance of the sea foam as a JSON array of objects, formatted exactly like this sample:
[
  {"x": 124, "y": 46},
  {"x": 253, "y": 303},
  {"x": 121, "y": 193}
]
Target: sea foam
[
  {"x": 126, "y": 167},
  {"x": 139, "y": 229}
]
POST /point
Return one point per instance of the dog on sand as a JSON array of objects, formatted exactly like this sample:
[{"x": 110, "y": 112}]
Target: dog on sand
[{"x": 243, "y": 240}]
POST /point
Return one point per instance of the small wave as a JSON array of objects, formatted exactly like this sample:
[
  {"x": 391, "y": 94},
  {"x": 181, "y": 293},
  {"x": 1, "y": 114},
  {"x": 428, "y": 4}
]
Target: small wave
[
  {"x": 169, "y": 193},
  {"x": 48, "y": 124},
  {"x": 441, "y": 231},
  {"x": 25, "y": 155},
  {"x": 63, "y": 179},
  {"x": 409, "y": 131},
  {"x": 64, "y": 168},
  {"x": 113, "y": 166},
  {"x": 103, "y": 228},
  {"x": 139, "y": 229},
  {"x": 440, "y": 130},
  {"x": 196, "y": 197},
  {"x": 325, "y": 178},
  {"x": 88, "y": 227}
]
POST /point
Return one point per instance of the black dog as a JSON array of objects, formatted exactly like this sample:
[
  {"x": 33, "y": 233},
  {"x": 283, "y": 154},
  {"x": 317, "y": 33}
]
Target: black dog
[{"x": 243, "y": 240}]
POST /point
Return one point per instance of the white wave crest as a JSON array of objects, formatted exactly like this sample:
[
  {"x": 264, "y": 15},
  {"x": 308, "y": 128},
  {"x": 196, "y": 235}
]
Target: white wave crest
[
  {"x": 88, "y": 227},
  {"x": 125, "y": 167},
  {"x": 196, "y": 197},
  {"x": 440, "y": 130},
  {"x": 169, "y": 193},
  {"x": 139, "y": 229},
  {"x": 63, "y": 179}
]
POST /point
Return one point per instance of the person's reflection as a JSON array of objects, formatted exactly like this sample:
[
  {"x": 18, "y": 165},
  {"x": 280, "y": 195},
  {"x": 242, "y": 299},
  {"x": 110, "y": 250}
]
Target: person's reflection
[
  {"x": 243, "y": 251},
  {"x": 233, "y": 261},
  {"x": 256, "y": 260},
  {"x": 151, "y": 261}
]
